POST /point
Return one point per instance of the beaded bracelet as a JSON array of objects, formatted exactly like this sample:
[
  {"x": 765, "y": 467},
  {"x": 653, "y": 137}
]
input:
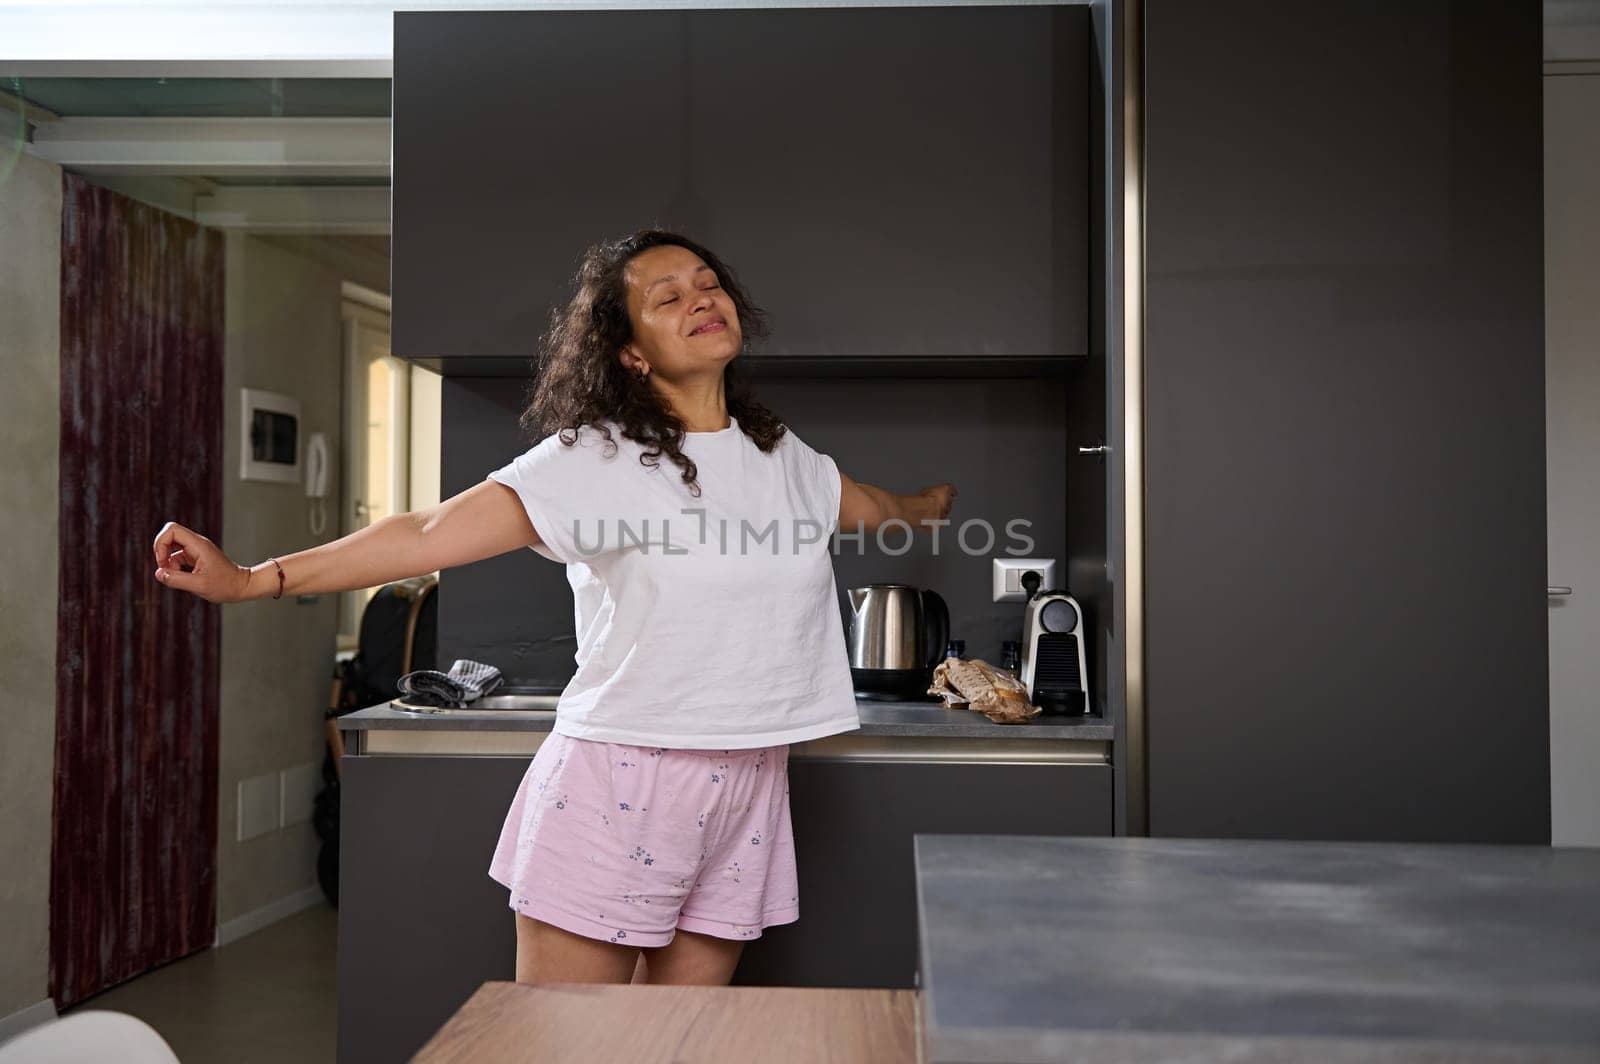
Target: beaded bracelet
[{"x": 274, "y": 561}]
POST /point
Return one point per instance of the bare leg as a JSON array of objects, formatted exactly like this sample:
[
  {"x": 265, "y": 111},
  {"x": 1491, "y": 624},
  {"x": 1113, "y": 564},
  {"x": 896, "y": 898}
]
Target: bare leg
[
  {"x": 550, "y": 954},
  {"x": 693, "y": 959}
]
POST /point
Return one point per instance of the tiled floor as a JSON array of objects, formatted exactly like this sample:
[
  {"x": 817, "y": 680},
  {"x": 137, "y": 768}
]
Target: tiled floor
[{"x": 266, "y": 999}]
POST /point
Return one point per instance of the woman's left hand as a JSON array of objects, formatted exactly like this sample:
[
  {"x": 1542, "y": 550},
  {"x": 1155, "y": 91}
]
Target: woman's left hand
[{"x": 941, "y": 496}]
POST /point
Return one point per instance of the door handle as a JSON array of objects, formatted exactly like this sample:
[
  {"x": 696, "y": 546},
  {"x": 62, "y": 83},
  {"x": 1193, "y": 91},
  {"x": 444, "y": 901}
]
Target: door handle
[{"x": 1552, "y": 591}]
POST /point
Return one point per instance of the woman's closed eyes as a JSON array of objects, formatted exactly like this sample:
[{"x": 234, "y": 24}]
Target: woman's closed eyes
[{"x": 674, "y": 299}]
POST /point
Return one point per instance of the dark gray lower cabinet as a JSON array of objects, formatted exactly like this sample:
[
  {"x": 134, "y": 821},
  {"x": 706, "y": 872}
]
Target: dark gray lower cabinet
[
  {"x": 853, "y": 823},
  {"x": 421, "y": 924}
]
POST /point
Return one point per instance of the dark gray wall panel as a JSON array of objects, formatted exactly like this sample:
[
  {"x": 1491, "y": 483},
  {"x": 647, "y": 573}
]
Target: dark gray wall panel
[
  {"x": 888, "y": 181},
  {"x": 1345, "y": 427},
  {"x": 1086, "y": 575},
  {"x": 1107, "y": 72}
]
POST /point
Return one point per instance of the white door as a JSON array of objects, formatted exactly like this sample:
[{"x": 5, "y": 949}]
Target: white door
[
  {"x": 377, "y": 439},
  {"x": 1572, "y": 412}
]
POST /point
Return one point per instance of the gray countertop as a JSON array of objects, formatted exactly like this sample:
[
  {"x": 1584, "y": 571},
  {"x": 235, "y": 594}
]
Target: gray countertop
[
  {"x": 917, "y": 719},
  {"x": 1130, "y": 950}
]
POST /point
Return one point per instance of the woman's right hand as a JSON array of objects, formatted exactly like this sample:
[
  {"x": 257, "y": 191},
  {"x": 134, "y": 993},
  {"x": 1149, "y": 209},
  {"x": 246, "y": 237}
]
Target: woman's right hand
[{"x": 190, "y": 562}]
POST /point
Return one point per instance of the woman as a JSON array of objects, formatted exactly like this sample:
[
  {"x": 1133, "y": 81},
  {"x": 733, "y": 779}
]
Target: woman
[{"x": 650, "y": 837}]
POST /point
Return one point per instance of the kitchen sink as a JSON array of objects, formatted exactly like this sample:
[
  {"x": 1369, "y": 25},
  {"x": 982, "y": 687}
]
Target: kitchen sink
[{"x": 523, "y": 705}]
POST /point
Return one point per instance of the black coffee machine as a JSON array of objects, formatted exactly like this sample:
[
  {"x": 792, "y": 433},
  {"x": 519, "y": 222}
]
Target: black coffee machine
[{"x": 1054, "y": 668}]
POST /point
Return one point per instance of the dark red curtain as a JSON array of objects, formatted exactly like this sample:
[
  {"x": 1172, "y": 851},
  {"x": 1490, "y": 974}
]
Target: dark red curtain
[{"x": 133, "y": 866}]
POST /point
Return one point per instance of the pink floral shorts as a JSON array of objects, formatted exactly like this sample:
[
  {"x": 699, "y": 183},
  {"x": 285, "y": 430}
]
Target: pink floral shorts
[{"x": 629, "y": 843}]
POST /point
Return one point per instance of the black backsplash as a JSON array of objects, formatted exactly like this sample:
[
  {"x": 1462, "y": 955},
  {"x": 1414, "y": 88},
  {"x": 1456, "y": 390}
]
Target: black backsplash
[{"x": 1002, "y": 442}]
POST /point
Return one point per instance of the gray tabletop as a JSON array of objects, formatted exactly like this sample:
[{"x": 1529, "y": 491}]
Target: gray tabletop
[{"x": 1047, "y": 949}]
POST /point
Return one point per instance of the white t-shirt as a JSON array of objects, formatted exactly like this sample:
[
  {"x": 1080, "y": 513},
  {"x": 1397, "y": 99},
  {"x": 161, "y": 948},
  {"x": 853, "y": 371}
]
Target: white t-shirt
[{"x": 707, "y": 622}]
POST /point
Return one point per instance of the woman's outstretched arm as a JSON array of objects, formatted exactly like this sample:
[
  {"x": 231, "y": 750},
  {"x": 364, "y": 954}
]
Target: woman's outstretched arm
[
  {"x": 863, "y": 507},
  {"x": 484, "y": 521}
]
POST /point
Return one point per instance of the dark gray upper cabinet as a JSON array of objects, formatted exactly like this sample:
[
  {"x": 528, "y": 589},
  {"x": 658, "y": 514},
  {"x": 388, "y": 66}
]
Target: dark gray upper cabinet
[{"x": 885, "y": 181}]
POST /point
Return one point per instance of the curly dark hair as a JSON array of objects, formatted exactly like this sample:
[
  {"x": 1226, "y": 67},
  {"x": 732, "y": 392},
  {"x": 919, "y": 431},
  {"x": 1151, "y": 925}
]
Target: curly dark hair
[{"x": 579, "y": 380}]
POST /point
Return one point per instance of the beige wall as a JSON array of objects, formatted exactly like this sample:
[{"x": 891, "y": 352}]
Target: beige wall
[
  {"x": 30, "y": 405},
  {"x": 282, "y": 334}
]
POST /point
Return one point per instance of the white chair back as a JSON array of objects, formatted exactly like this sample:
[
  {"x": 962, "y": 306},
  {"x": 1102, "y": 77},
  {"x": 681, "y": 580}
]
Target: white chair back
[{"x": 89, "y": 1037}]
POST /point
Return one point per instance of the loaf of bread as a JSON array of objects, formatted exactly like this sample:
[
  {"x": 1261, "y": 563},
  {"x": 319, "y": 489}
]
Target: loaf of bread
[{"x": 975, "y": 684}]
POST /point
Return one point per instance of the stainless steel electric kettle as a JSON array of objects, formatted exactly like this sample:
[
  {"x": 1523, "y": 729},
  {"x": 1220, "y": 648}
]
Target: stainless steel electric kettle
[{"x": 897, "y": 636}]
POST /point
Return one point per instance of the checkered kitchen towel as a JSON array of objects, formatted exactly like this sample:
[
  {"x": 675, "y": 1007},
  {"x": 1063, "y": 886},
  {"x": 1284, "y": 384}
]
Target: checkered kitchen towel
[{"x": 466, "y": 681}]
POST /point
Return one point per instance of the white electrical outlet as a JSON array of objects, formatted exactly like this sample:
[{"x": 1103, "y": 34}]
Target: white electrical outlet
[
  {"x": 258, "y": 806},
  {"x": 1008, "y": 573},
  {"x": 298, "y": 790}
]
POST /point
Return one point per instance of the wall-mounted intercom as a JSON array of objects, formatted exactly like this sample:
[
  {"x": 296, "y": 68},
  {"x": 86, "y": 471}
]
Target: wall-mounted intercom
[
  {"x": 317, "y": 466},
  {"x": 270, "y": 449}
]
